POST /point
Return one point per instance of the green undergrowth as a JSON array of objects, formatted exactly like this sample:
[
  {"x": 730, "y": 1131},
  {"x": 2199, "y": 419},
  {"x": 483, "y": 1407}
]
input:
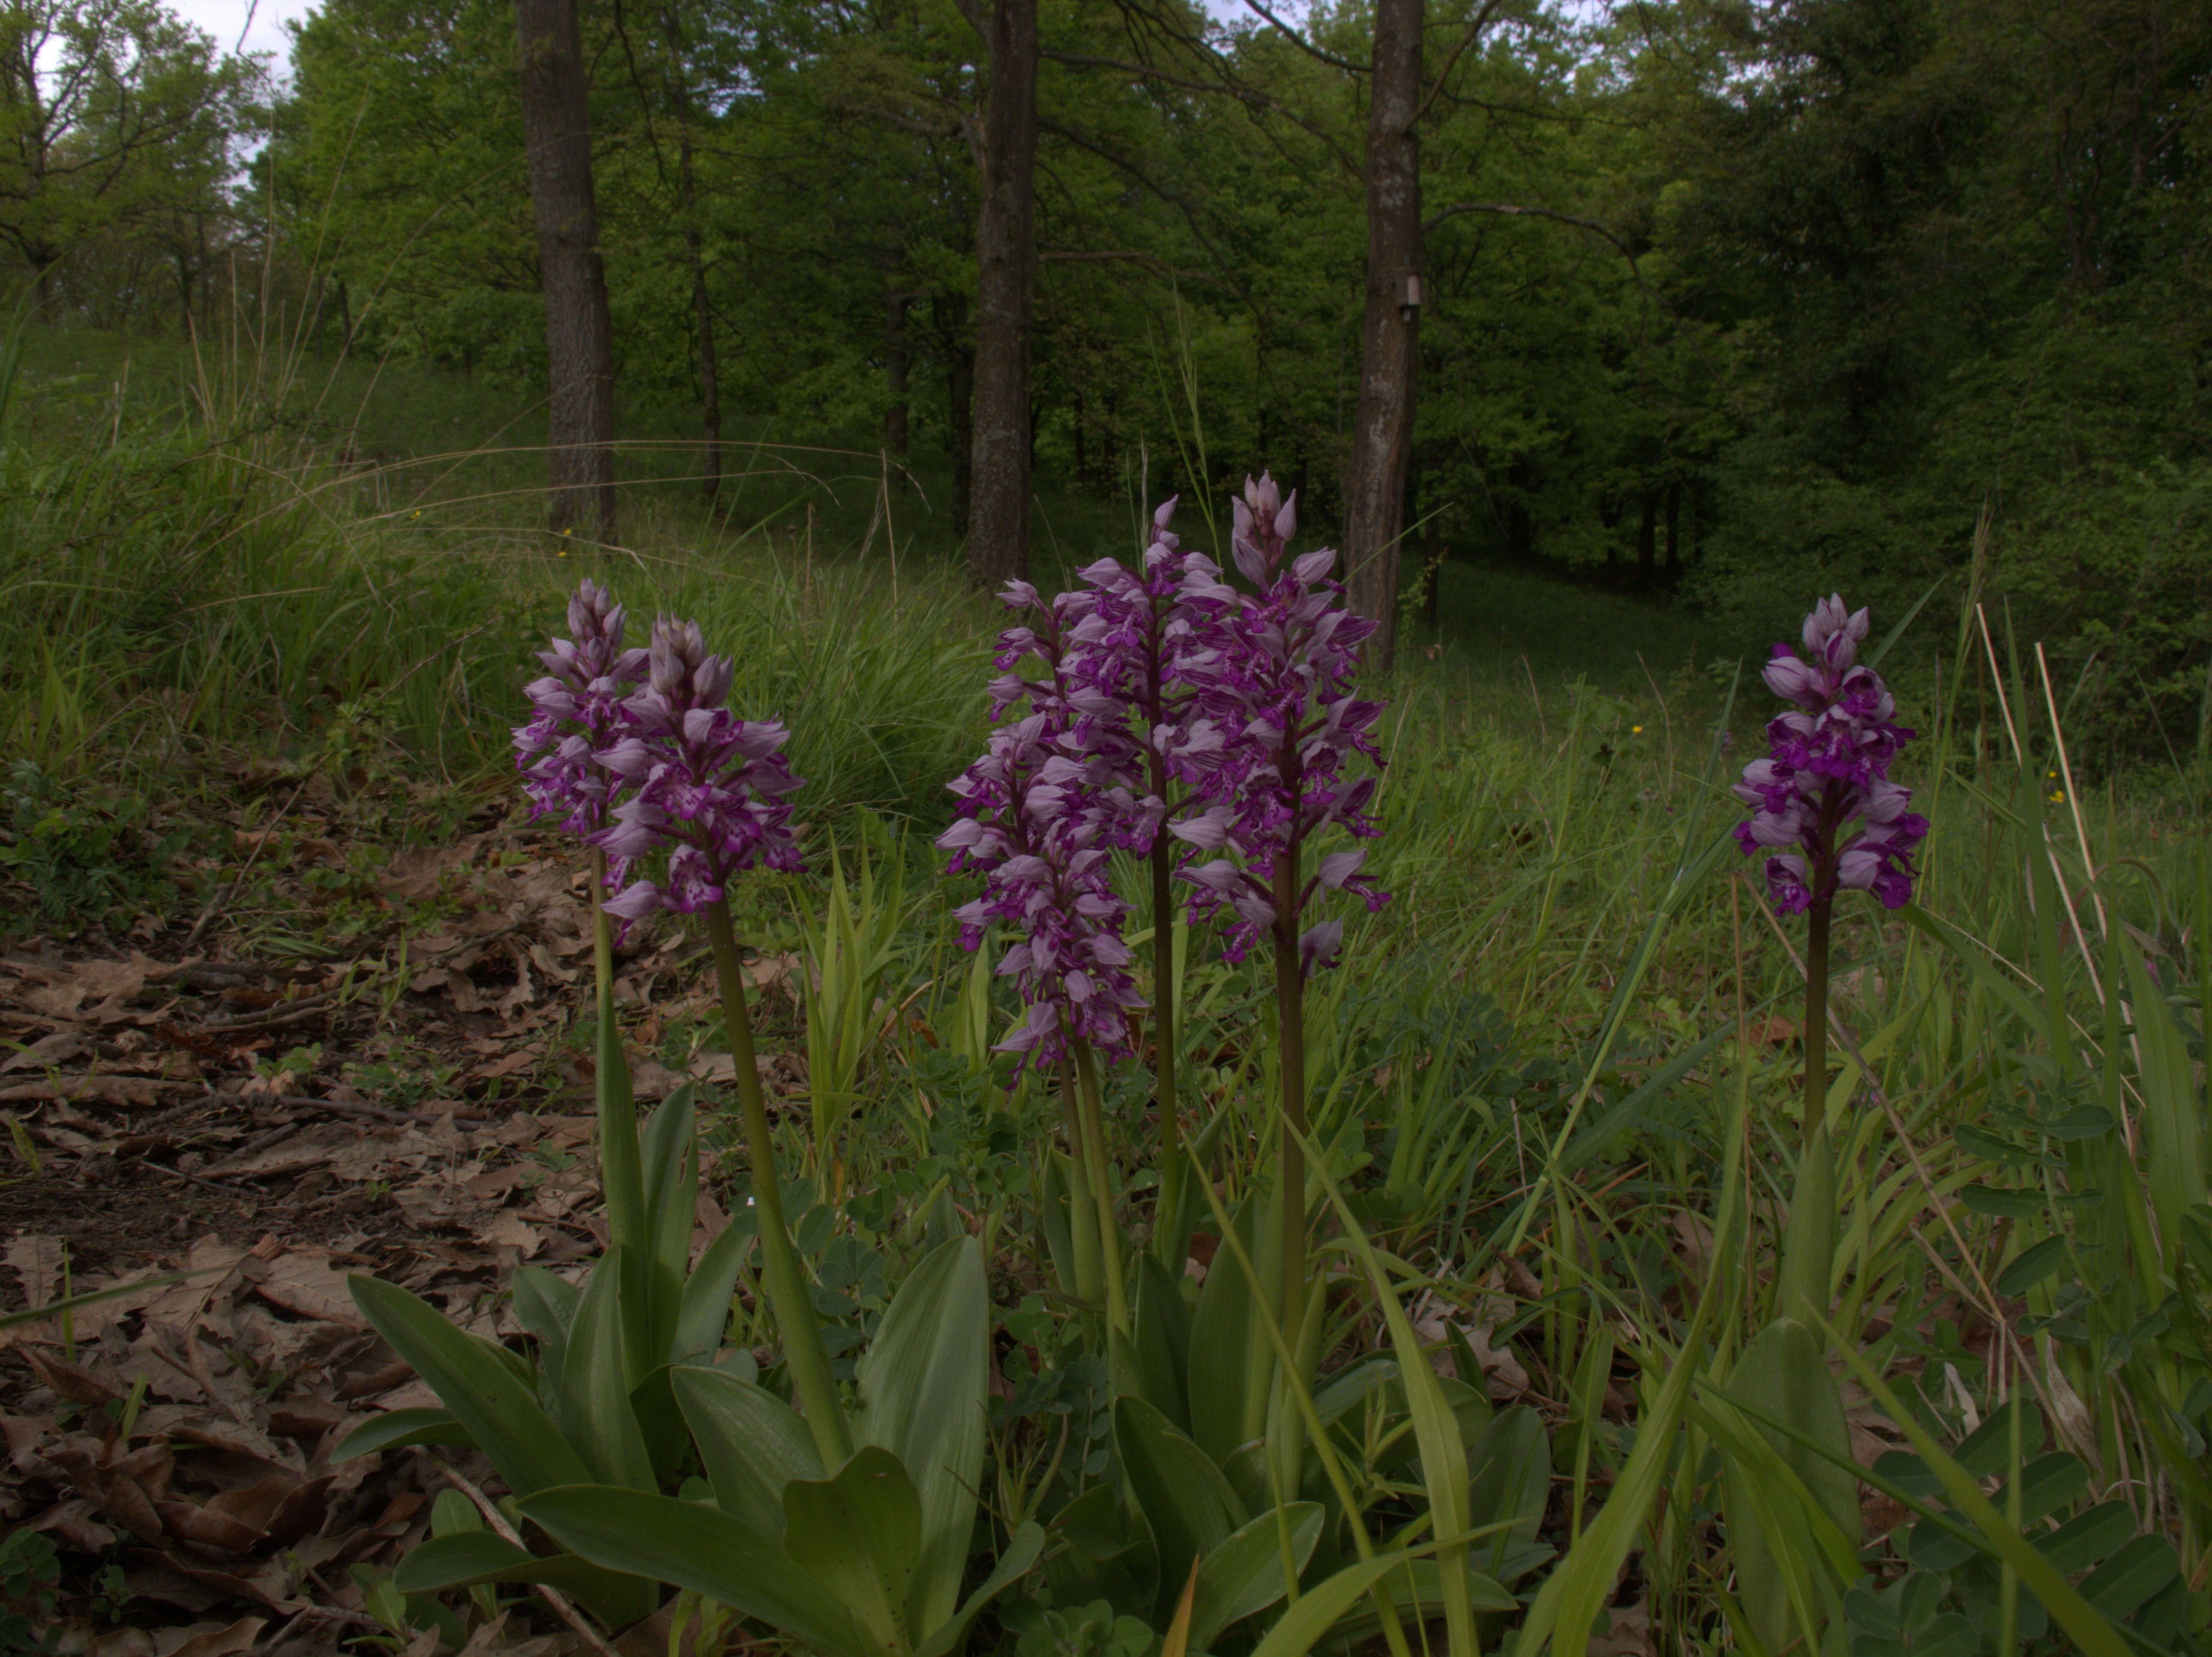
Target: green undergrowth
[{"x": 1560, "y": 1058}]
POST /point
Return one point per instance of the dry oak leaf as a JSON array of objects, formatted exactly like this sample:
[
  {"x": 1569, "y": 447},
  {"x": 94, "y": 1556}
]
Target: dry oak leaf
[{"x": 304, "y": 1282}]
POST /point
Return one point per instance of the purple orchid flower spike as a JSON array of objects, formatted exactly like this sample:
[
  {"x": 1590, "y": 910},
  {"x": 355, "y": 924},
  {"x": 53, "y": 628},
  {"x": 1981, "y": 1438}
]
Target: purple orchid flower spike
[
  {"x": 1827, "y": 814},
  {"x": 1275, "y": 674},
  {"x": 706, "y": 783},
  {"x": 1827, "y": 768},
  {"x": 574, "y": 709}
]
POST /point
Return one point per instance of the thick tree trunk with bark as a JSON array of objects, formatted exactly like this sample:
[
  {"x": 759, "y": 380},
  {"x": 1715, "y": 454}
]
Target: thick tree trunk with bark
[
  {"x": 579, "y": 338},
  {"x": 1005, "y": 279},
  {"x": 1382, "y": 427}
]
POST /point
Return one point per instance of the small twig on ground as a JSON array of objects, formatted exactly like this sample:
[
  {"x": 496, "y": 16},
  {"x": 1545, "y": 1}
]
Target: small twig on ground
[
  {"x": 228, "y": 1190},
  {"x": 377, "y": 1113}
]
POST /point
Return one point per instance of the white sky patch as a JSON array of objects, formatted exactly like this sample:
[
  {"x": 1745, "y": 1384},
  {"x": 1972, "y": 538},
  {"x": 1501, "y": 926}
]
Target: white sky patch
[{"x": 241, "y": 25}]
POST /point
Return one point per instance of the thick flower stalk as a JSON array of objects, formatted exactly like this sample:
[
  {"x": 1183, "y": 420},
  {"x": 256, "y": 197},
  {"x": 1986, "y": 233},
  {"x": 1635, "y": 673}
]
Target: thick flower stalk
[
  {"x": 1128, "y": 662},
  {"x": 1039, "y": 813},
  {"x": 1830, "y": 820},
  {"x": 1274, "y": 674},
  {"x": 709, "y": 788}
]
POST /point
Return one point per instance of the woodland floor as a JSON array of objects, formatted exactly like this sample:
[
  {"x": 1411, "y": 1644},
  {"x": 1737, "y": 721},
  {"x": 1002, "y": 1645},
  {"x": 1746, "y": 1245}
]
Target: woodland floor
[{"x": 415, "y": 1104}]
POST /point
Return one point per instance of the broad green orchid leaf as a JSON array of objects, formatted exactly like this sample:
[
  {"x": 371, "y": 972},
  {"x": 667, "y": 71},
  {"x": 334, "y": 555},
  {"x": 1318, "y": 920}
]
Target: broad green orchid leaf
[
  {"x": 750, "y": 1442},
  {"x": 697, "y": 1547},
  {"x": 595, "y": 1408},
  {"x": 493, "y": 1399},
  {"x": 397, "y": 1428},
  {"x": 924, "y": 1387},
  {"x": 706, "y": 1310},
  {"x": 1188, "y": 1503},
  {"x": 859, "y": 1535},
  {"x": 1305, "y": 1624},
  {"x": 1227, "y": 1347},
  {"x": 1244, "y": 1575},
  {"x": 545, "y": 1305}
]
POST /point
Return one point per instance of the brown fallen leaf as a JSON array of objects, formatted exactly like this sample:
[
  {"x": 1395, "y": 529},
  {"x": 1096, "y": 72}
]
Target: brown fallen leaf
[
  {"x": 37, "y": 1261},
  {"x": 203, "y": 1527},
  {"x": 218, "y": 1641},
  {"x": 58, "y": 1048},
  {"x": 303, "y": 1281},
  {"x": 79, "y": 1383},
  {"x": 72, "y": 1522},
  {"x": 263, "y": 1583}
]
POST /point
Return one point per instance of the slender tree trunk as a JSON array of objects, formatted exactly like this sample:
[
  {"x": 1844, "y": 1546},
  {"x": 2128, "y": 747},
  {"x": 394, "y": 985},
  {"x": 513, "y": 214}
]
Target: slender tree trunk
[
  {"x": 1673, "y": 531},
  {"x": 1382, "y": 427},
  {"x": 950, "y": 310},
  {"x": 1005, "y": 277},
  {"x": 578, "y": 337},
  {"x": 703, "y": 308},
  {"x": 896, "y": 361},
  {"x": 1647, "y": 541}
]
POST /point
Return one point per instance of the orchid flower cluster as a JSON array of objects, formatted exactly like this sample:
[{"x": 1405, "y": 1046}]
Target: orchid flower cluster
[
  {"x": 1828, "y": 766},
  {"x": 1040, "y": 814},
  {"x": 635, "y": 768},
  {"x": 576, "y": 709},
  {"x": 1275, "y": 674},
  {"x": 1157, "y": 676}
]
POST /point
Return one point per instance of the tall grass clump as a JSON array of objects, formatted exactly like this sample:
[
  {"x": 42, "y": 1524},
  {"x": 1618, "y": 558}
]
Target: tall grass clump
[{"x": 211, "y": 563}]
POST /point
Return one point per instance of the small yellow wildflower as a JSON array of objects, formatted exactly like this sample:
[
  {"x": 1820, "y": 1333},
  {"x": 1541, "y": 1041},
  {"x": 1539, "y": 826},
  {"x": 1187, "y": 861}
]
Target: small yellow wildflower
[
  {"x": 2058, "y": 798},
  {"x": 1635, "y": 729}
]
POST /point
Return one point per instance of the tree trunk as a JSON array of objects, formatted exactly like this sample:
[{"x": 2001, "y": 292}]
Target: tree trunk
[
  {"x": 1647, "y": 541},
  {"x": 895, "y": 364},
  {"x": 1674, "y": 529},
  {"x": 1005, "y": 275},
  {"x": 1382, "y": 427},
  {"x": 579, "y": 338},
  {"x": 703, "y": 308},
  {"x": 950, "y": 312}
]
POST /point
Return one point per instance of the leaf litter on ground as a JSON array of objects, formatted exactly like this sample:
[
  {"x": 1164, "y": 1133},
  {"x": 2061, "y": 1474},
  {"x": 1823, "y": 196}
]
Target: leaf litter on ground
[{"x": 411, "y": 1103}]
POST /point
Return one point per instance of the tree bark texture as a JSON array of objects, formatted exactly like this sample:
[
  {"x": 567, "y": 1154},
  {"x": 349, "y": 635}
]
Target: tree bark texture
[
  {"x": 579, "y": 338},
  {"x": 1383, "y": 427},
  {"x": 1005, "y": 280}
]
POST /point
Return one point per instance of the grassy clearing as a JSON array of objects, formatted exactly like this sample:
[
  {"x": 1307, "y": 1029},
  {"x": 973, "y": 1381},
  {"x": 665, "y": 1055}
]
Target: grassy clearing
[{"x": 1534, "y": 1073}]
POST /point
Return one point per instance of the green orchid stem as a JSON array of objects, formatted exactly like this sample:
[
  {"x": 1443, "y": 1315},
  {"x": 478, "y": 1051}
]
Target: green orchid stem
[
  {"x": 1816, "y": 1015},
  {"x": 1290, "y": 1032},
  {"x": 603, "y": 926},
  {"x": 621, "y": 1177},
  {"x": 1809, "y": 1254},
  {"x": 787, "y": 1293},
  {"x": 1102, "y": 1191},
  {"x": 1089, "y": 1286},
  {"x": 1168, "y": 1237}
]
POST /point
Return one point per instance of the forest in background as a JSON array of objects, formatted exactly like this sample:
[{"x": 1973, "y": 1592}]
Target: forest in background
[{"x": 1728, "y": 302}]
